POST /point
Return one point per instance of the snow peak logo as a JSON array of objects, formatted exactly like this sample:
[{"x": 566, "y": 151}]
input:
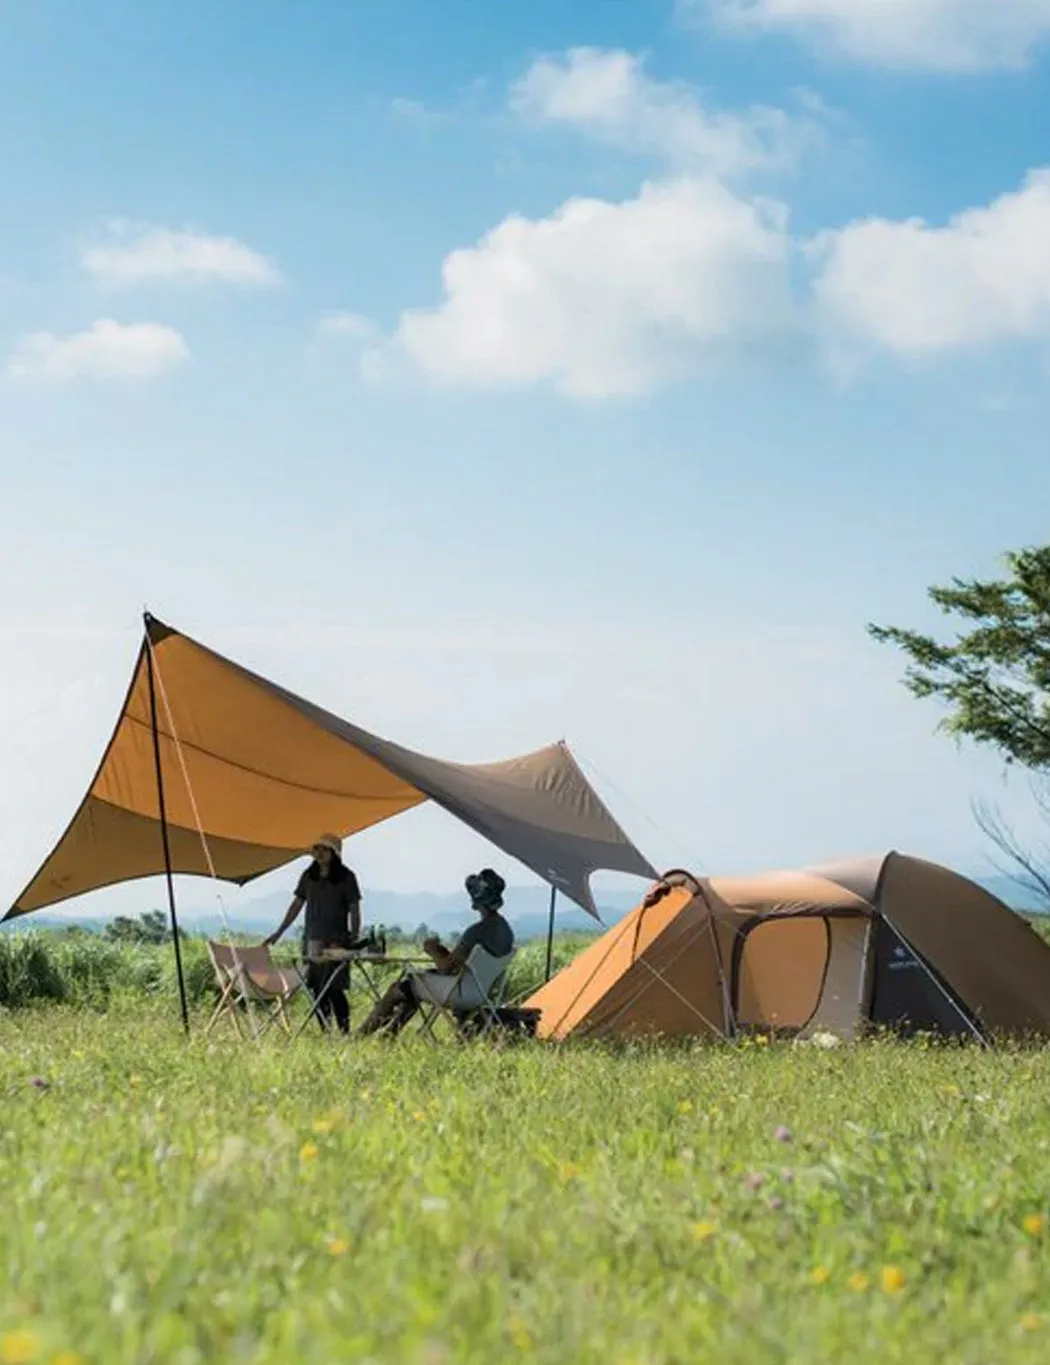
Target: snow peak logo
[{"x": 902, "y": 960}]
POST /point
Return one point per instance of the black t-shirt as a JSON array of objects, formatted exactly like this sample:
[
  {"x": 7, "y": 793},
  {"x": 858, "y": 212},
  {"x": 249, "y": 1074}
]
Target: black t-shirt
[
  {"x": 493, "y": 933},
  {"x": 328, "y": 903}
]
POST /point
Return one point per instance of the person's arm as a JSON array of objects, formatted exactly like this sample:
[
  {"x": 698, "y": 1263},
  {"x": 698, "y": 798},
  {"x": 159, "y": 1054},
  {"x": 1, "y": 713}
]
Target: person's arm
[
  {"x": 353, "y": 905},
  {"x": 290, "y": 916},
  {"x": 438, "y": 954},
  {"x": 452, "y": 960}
]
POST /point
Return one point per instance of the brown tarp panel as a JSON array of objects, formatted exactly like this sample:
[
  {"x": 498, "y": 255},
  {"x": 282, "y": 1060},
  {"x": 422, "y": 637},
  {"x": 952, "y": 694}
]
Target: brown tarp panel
[{"x": 268, "y": 771}]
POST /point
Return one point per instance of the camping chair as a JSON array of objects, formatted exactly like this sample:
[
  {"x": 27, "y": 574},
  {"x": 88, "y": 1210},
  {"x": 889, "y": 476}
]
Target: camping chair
[
  {"x": 247, "y": 977},
  {"x": 474, "y": 992}
]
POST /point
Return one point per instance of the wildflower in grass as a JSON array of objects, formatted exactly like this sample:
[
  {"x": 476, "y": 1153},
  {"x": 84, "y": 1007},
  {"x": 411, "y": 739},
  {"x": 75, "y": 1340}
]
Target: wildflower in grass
[
  {"x": 519, "y": 1334},
  {"x": 776, "y": 1204},
  {"x": 324, "y": 1125},
  {"x": 819, "y": 1275},
  {"x": 38, "y": 1083},
  {"x": 761, "y": 1040},
  {"x": 1034, "y": 1224},
  {"x": 950, "y": 1090},
  {"x": 704, "y": 1230},
  {"x": 754, "y": 1180},
  {"x": 419, "y": 1116},
  {"x": 685, "y": 1107},
  {"x": 1031, "y": 1322},
  {"x": 568, "y": 1170},
  {"x": 338, "y": 1246},
  {"x": 892, "y": 1279},
  {"x": 858, "y": 1281},
  {"x": 308, "y": 1151},
  {"x": 135, "y": 1080},
  {"x": 18, "y": 1348},
  {"x": 782, "y": 1134}
]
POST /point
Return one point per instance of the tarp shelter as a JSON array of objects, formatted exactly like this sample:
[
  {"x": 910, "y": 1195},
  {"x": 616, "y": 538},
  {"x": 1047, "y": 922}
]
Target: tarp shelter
[
  {"x": 891, "y": 941},
  {"x": 215, "y": 770}
]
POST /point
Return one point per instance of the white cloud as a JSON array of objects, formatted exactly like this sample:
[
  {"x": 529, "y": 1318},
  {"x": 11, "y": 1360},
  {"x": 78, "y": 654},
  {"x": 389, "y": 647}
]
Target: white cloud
[
  {"x": 139, "y": 255},
  {"x": 948, "y": 35},
  {"x": 352, "y": 326},
  {"x": 916, "y": 289},
  {"x": 608, "y": 95},
  {"x": 108, "y": 350},
  {"x": 607, "y": 298}
]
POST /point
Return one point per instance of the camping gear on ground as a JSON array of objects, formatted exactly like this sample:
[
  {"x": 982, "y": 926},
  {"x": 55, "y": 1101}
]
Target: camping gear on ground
[
  {"x": 249, "y": 979},
  {"x": 213, "y": 770},
  {"x": 891, "y": 941},
  {"x": 475, "y": 992},
  {"x": 344, "y": 964}
]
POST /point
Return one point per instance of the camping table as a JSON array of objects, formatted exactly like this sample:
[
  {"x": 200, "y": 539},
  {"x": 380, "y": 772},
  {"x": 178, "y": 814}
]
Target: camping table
[{"x": 366, "y": 964}]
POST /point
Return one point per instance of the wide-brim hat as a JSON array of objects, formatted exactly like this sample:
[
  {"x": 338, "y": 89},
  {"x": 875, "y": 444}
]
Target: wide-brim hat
[{"x": 330, "y": 841}]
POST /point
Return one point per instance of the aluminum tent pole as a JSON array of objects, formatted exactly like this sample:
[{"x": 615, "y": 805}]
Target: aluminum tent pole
[
  {"x": 550, "y": 933},
  {"x": 164, "y": 833}
]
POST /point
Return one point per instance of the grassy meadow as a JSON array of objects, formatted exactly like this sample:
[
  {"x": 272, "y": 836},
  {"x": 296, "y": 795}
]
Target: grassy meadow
[{"x": 173, "y": 1201}]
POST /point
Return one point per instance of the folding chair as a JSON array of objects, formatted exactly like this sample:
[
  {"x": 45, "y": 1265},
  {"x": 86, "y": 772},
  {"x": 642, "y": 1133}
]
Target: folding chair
[
  {"x": 475, "y": 990},
  {"x": 247, "y": 977}
]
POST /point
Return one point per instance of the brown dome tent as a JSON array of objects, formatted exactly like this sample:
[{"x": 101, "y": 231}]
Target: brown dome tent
[{"x": 891, "y": 941}]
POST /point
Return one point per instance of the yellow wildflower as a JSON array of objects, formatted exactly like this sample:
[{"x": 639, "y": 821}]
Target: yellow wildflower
[
  {"x": 419, "y": 1116},
  {"x": 892, "y": 1279},
  {"x": 704, "y": 1230},
  {"x": 685, "y": 1107},
  {"x": 761, "y": 1040},
  {"x": 134, "y": 1080},
  {"x": 17, "y": 1348},
  {"x": 819, "y": 1275},
  {"x": 568, "y": 1170},
  {"x": 323, "y": 1126},
  {"x": 308, "y": 1151},
  {"x": 1031, "y": 1322},
  {"x": 858, "y": 1281},
  {"x": 1034, "y": 1224},
  {"x": 519, "y": 1334},
  {"x": 338, "y": 1246}
]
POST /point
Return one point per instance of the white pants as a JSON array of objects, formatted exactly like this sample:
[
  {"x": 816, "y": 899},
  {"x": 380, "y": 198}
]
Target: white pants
[{"x": 438, "y": 989}]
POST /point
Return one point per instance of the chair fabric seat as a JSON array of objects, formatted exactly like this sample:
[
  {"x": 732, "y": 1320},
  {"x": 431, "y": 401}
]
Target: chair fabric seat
[{"x": 451, "y": 992}]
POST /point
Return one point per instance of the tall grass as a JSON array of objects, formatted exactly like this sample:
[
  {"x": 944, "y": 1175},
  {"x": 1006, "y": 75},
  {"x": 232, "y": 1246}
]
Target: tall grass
[{"x": 87, "y": 970}]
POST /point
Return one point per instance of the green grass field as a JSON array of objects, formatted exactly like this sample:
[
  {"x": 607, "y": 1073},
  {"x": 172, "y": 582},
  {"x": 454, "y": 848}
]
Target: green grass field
[{"x": 167, "y": 1201}]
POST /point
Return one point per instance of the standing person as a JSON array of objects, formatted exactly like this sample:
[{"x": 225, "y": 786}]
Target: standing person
[
  {"x": 490, "y": 930},
  {"x": 329, "y": 891}
]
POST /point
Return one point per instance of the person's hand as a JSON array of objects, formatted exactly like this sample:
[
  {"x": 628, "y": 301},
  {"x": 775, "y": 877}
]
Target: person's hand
[
  {"x": 431, "y": 944},
  {"x": 270, "y": 941}
]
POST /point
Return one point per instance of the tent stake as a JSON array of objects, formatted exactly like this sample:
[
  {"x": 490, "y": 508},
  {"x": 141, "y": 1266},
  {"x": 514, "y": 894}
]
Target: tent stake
[
  {"x": 164, "y": 834},
  {"x": 550, "y": 933}
]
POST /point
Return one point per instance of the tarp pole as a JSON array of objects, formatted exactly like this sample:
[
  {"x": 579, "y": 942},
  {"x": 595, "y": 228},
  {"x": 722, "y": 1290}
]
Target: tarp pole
[
  {"x": 164, "y": 834},
  {"x": 550, "y": 934}
]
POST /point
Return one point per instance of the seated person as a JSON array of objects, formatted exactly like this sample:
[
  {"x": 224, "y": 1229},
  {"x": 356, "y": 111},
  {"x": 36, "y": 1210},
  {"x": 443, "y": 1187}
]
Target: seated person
[{"x": 491, "y": 931}]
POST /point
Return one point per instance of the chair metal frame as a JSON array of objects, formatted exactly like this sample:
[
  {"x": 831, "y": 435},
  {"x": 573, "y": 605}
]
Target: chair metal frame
[
  {"x": 246, "y": 977},
  {"x": 489, "y": 989}
]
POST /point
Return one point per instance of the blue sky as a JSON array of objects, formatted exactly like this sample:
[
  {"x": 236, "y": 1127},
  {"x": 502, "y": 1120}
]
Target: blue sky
[{"x": 498, "y": 373}]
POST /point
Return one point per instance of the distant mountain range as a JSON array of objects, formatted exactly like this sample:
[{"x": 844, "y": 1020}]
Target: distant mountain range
[{"x": 526, "y": 908}]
